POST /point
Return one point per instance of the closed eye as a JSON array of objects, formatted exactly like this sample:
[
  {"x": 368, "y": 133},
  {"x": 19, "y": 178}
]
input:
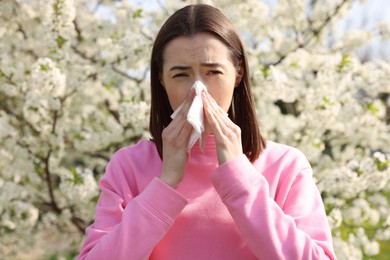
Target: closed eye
[
  {"x": 213, "y": 72},
  {"x": 179, "y": 75}
]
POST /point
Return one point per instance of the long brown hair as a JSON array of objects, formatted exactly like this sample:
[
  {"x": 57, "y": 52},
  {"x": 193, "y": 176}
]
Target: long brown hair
[{"x": 189, "y": 21}]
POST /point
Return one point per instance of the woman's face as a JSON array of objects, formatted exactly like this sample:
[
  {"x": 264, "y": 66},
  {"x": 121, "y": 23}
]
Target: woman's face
[{"x": 201, "y": 57}]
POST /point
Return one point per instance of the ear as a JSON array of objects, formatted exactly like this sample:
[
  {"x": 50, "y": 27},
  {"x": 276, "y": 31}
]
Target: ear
[{"x": 240, "y": 74}]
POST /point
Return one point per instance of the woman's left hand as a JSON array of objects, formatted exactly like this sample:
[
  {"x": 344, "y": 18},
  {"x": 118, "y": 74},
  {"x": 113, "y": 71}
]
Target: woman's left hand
[{"x": 227, "y": 134}]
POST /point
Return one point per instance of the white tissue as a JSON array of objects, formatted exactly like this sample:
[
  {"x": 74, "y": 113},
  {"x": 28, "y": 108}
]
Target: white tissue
[{"x": 195, "y": 114}]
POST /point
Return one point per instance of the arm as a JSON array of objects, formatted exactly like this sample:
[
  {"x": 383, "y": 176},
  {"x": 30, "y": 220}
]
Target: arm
[
  {"x": 297, "y": 230},
  {"x": 128, "y": 227}
]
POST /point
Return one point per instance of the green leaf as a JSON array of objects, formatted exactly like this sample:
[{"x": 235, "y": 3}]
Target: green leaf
[
  {"x": 39, "y": 169},
  {"x": 95, "y": 199},
  {"x": 77, "y": 179},
  {"x": 55, "y": 8},
  {"x": 33, "y": 109},
  {"x": 294, "y": 64},
  {"x": 6, "y": 230},
  {"x": 372, "y": 108},
  {"x": 80, "y": 38},
  {"x": 61, "y": 41},
  {"x": 78, "y": 136},
  {"x": 318, "y": 144},
  {"x": 116, "y": 36},
  {"x": 12, "y": 212},
  {"x": 44, "y": 67},
  {"x": 381, "y": 166},
  {"x": 265, "y": 71},
  {"x": 110, "y": 85},
  {"x": 327, "y": 101},
  {"x": 25, "y": 215},
  {"x": 345, "y": 61},
  {"x": 25, "y": 180},
  {"x": 137, "y": 13}
]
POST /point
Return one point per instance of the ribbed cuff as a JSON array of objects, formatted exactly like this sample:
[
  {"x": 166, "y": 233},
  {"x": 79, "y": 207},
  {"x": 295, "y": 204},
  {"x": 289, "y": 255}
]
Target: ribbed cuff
[{"x": 162, "y": 200}]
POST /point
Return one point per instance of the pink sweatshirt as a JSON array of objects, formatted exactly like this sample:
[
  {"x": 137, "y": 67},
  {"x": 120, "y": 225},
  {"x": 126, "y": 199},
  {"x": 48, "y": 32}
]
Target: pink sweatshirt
[{"x": 270, "y": 209}]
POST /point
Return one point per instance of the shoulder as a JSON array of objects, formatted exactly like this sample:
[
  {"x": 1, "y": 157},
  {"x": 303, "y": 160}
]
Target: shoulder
[
  {"x": 142, "y": 149},
  {"x": 128, "y": 158},
  {"x": 277, "y": 150},
  {"x": 282, "y": 166},
  {"x": 282, "y": 155},
  {"x": 129, "y": 164}
]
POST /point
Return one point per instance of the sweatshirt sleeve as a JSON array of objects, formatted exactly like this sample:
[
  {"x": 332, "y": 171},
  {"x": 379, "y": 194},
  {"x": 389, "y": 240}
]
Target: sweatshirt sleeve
[
  {"x": 294, "y": 228},
  {"x": 128, "y": 227}
]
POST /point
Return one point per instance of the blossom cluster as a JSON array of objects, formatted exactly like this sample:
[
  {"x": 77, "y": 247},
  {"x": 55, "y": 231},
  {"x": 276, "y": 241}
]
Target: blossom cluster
[{"x": 74, "y": 88}]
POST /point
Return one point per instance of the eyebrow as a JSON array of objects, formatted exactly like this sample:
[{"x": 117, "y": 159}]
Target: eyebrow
[
  {"x": 203, "y": 64},
  {"x": 180, "y": 68}
]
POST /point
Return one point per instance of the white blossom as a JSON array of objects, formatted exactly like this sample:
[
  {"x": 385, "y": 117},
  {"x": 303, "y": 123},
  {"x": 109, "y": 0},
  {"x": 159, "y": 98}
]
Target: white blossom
[
  {"x": 346, "y": 251},
  {"x": 135, "y": 113},
  {"x": 74, "y": 88}
]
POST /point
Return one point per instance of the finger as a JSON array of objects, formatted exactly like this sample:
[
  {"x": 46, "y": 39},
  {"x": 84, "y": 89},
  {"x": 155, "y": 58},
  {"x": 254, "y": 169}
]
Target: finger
[
  {"x": 180, "y": 110},
  {"x": 214, "y": 108},
  {"x": 211, "y": 113},
  {"x": 187, "y": 103},
  {"x": 177, "y": 137},
  {"x": 217, "y": 117},
  {"x": 203, "y": 138},
  {"x": 179, "y": 129},
  {"x": 179, "y": 121},
  {"x": 214, "y": 105}
]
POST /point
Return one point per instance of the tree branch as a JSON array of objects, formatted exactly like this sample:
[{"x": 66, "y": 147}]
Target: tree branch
[
  {"x": 49, "y": 183},
  {"x": 96, "y": 61},
  {"x": 114, "y": 113},
  {"x": 7, "y": 77},
  {"x": 78, "y": 31},
  {"x": 84, "y": 56},
  {"x": 124, "y": 74},
  {"x": 311, "y": 33},
  {"x": 98, "y": 155},
  {"x": 79, "y": 223}
]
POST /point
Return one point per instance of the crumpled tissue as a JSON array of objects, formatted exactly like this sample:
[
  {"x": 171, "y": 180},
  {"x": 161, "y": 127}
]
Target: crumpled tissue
[{"x": 195, "y": 114}]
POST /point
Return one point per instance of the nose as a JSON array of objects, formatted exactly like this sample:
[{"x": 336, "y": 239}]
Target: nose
[
  {"x": 199, "y": 86},
  {"x": 200, "y": 77}
]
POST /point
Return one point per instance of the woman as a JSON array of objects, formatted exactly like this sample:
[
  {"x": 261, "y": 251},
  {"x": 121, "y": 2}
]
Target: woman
[{"x": 233, "y": 197}]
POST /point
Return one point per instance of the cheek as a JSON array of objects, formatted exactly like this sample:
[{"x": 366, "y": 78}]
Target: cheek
[
  {"x": 176, "y": 96},
  {"x": 223, "y": 99},
  {"x": 222, "y": 95}
]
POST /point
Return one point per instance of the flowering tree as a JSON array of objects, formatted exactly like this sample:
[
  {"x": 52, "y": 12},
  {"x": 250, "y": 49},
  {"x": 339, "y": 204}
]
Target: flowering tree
[{"x": 74, "y": 88}]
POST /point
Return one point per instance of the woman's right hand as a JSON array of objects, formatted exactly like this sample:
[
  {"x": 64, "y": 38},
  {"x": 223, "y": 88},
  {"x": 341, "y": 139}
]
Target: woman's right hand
[{"x": 175, "y": 138}]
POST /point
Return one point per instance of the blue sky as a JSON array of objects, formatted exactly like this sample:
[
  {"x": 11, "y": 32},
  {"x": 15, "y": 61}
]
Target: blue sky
[
  {"x": 363, "y": 14},
  {"x": 366, "y": 16}
]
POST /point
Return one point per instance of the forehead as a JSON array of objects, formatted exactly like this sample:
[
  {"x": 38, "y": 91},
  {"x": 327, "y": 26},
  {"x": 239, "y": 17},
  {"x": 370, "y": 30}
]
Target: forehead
[{"x": 202, "y": 47}]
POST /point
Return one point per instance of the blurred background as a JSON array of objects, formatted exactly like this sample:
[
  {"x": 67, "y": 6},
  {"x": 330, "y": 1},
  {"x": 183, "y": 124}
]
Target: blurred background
[{"x": 74, "y": 88}]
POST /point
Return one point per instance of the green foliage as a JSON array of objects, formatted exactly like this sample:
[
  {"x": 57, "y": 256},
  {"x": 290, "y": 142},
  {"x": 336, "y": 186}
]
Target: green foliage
[
  {"x": 345, "y": 61},
  {"x": 138, "y": 13},
  {"x": 61, "y": 41}
]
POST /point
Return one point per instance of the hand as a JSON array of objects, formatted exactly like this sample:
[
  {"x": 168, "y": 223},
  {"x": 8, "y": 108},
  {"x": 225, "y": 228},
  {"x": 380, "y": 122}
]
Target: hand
[
  {"x": 175, "y": 139},
  {"x": 227, "y": 134}
]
